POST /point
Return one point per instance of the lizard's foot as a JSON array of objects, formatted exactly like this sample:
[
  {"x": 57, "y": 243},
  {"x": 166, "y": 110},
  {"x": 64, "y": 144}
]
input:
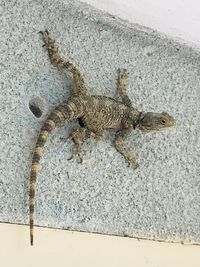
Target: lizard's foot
[
  {"x": 53, "y": 51},
  {"x": 76, "y": 152},
  {"x": 132, "y": 161},
  {"x": 78, "y": 138},
  {"x": 123, "y": 75},
  {"x": 99, "y": 136}
]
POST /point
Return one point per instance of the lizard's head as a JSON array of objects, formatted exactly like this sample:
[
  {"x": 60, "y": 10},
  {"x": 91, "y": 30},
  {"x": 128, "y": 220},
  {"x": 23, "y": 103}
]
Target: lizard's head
[{"x": 151, "y": 121}]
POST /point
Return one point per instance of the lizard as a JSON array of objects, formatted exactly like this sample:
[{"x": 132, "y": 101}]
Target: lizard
[{"x": 95, "y": 113}]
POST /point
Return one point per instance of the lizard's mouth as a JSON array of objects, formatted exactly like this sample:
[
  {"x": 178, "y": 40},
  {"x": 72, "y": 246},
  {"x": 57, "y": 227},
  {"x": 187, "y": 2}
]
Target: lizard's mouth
[
  {"x": 150, "y": 128},
  {"x": 146, "y": 129}
]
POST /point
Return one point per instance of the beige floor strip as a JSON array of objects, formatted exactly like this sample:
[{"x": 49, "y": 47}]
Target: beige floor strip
[{"x": 59, "y": 248}]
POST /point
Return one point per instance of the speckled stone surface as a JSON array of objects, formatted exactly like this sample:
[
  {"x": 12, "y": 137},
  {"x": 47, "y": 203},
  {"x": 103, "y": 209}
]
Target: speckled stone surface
[{"x": 160, "y": 199}]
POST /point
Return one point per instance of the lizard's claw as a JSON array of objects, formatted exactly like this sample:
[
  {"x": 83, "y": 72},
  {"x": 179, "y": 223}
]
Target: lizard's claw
[
  {"x": 70, "y": 158},
  {"x": 80, "y": 158},
  {"x": 44, "y": 32},
  {"x": 134, "y": 165},
  {"x": 132, "y": 161}
]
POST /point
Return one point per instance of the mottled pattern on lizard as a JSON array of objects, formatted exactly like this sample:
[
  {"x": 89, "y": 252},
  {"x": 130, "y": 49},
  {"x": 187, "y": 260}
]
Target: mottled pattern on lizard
[{"x": 95, "y": 114}]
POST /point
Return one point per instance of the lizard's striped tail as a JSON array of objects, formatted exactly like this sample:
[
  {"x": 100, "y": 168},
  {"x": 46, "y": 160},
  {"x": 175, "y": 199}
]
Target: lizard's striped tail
[
  {"x": 68, "y": 110},
  {"x": 55, "y": 119}
]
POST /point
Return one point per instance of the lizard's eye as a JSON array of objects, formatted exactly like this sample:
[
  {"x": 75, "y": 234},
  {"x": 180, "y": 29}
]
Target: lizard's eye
[{"x": 163, "y": 121}]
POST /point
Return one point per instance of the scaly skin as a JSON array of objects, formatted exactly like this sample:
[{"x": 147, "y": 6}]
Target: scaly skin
[{"x": 95, "y": 114}]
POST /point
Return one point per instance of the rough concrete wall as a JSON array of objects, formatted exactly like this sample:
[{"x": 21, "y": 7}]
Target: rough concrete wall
[
  {"x": 176, "y": 18},
  {"x": 158, "y": 200}
]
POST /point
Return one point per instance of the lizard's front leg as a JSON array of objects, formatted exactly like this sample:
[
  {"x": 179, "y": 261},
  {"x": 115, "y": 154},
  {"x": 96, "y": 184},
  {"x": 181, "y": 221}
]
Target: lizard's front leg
[
  {"x": 119, "y": 145},
  {"x": 122, "y": 83}
]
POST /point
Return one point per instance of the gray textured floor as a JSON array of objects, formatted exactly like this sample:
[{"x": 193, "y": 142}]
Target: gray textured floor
[{"x": 160, "y": 199}]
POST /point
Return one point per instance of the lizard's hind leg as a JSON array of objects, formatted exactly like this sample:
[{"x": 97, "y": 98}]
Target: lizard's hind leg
[
  {"x": 78, "y": 136},
  {"x": 56, "y": 59},
  {"x": 122, "y": 83}
]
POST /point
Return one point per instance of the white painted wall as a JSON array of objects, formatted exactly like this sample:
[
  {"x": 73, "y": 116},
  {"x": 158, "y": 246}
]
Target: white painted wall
[
  {"x": 177, "y": 18},
  {"x": 63, "y": 248}
]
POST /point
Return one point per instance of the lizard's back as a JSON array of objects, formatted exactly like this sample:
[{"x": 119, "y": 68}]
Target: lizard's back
[{"x": 101, "y": 112}]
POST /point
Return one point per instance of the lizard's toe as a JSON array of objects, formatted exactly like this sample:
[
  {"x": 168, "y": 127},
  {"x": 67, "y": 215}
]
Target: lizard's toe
[
  {"x": 134, "y": 165},
  {"x": 132, "y": 162}
]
